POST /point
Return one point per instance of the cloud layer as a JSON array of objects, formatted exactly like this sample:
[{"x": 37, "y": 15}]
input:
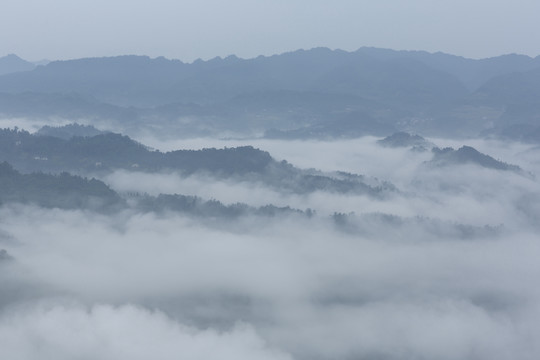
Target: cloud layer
[
  {"x": 445, "y": 268},
  {"x": 126, "y": 332}
]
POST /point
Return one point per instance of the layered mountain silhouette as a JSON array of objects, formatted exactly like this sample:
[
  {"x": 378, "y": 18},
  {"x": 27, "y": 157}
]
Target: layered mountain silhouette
[
  {"x": 104, "y": 153},
  {"x": 61, "y": 191},
  {"x": 313, "y": 93},
  {"x": 66, "y": 191},
  {"x": 12, "y": 63},
  {"x": 468, "y": 155}
]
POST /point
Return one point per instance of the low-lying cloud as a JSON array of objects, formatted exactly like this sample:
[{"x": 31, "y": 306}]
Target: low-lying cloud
[
  {"x": 444, "y": 268},
  {"x": 44, "y": 331}
]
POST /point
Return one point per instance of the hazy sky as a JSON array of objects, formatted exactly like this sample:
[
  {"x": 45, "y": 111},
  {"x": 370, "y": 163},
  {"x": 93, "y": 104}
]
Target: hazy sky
[{"x": 189, "y": 29}]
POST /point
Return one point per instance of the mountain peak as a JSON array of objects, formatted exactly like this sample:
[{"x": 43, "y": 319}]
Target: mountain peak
[
  {"x": 468, "y": 155},
  {"x": 12, "y": 63},
  {"x": 404, "y": 139}
]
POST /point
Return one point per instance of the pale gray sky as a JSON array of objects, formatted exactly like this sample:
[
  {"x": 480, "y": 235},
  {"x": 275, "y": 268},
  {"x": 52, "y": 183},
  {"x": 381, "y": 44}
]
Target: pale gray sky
[{"x": 191, "y": 29}]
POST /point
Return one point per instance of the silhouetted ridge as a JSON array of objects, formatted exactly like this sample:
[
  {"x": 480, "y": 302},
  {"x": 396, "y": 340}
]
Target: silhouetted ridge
[
  {"x": 62, "y": 191},
  {"x": 195, "y": 206},
  {"x": 68, "y": 131},
  {"x": 317, "y": 93},
  {"x": 12, "y": 63},
  {"x": 403, "y": 139},
  {"x": 468, "y": 155},
  {"x": 104, "y": 153},
  {"x": 73, "y": 192}
]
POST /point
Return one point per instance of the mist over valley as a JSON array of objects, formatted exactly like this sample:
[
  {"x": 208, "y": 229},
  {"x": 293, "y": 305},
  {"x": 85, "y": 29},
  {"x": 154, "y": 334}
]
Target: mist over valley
[{"x": 317, "y": 204}]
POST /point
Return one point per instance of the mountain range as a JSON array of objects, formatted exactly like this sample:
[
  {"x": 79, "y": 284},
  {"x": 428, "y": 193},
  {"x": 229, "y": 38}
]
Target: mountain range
[
  {"x": 305, "y": 93},
  {"x": 106, "y": 152}
]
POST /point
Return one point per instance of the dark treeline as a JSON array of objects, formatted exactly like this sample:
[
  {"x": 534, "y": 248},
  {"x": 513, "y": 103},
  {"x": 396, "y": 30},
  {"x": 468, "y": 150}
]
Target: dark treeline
[
  {"x": 67, "y": 191},
  {"x": 55, "y": 191},
  {"x": 105, "y": 153},
  {"x": 468, "y": 155}
]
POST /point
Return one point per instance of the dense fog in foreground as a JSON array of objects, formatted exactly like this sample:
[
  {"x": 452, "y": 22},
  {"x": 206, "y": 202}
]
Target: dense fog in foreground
[{"x": 443, "y": 266}]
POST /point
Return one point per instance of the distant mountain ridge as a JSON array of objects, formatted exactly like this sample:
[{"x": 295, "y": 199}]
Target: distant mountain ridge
[
  {"x": 141, "y": 81},
  {"x": 319, "y": 91},
  {"x": 473, "y": 73},
  {"x": 272, "y": 72},
  {"x": 12, "y": 63}
]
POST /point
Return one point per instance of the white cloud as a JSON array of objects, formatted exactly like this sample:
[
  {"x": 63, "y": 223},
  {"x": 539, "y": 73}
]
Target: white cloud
[
  {"x": 126, "y": 332},
  {"x": 403, "y": 287}
]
